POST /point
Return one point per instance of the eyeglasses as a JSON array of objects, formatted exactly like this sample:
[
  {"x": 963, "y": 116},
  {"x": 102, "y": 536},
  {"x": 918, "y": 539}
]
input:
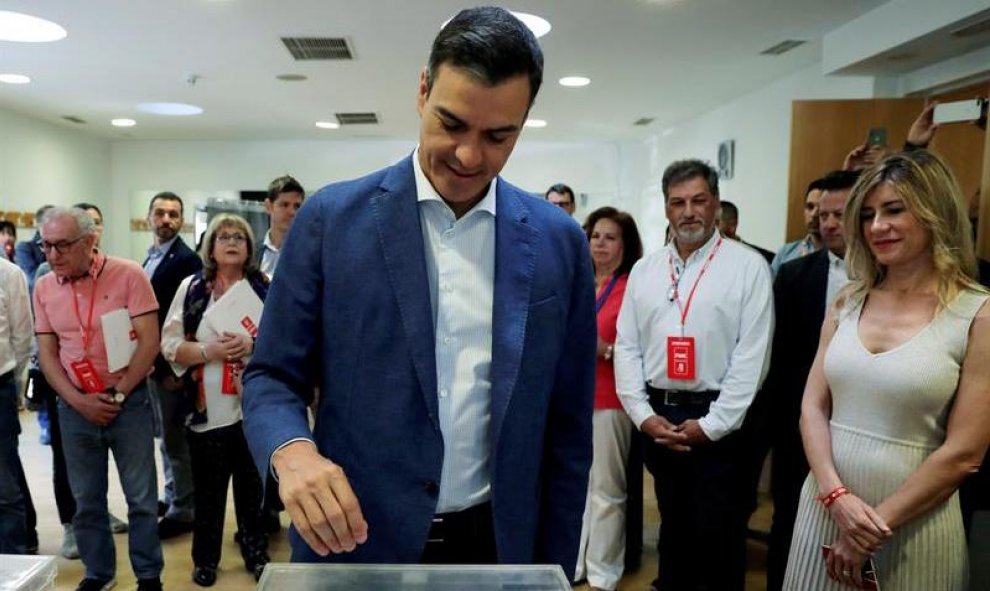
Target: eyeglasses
[
  {"x": 60, "y": 247},
  {"x": 236, "y": 238}
]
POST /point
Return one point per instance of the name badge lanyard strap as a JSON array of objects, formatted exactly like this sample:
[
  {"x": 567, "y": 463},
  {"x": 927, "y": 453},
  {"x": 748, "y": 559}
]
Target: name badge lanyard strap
[
  {"x": 86, "y": 330},
  {"x": 605, "y": 293},
  {"x": 686, "y": 307}
]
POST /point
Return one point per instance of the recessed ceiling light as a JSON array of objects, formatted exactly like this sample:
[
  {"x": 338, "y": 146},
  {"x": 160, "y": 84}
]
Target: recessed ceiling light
[
  {"x": 123, "y": 122},
  {"x": 574, "y": 81},
  {"x": 25, "y": 28},
  {"x": 172, "y": 109},
  {"x": 328, "y": 125},
  {"x": 14, "y": 78},
  {"x": 535, "y": 123},
  {"x": 291, "y": 77},
  {"x": 537, "y": 24}
]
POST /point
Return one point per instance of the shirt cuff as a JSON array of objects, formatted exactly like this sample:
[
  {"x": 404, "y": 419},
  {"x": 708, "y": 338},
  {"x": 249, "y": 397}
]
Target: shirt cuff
[
  {"x": 271, "y": 466},
  {"x": 712, "y": 431},
  {"x": 639, "y": 412}
]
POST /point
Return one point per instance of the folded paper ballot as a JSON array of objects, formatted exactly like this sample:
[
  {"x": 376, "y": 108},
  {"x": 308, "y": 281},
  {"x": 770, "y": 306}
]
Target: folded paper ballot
[
  {"x": 237, "y": 311},
  {"x": 119, "y": 338}
]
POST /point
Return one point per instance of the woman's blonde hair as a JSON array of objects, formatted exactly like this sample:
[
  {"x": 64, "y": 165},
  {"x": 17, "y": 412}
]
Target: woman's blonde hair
[
  {"x": 931, "y": 194},
  {"x": 220, "y": 221}
]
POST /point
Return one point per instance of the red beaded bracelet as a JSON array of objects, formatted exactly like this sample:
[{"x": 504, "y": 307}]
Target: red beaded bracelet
[{"x": 831, "y": 497}]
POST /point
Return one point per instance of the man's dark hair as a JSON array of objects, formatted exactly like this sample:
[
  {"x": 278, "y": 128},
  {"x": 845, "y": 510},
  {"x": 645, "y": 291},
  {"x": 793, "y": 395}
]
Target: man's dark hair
[
  {"x": 815, "y": 185},
  {"x": 84, "y": 206},
  {"x": 491, "y": 44},
  {"x": 561, "y": 189},
  {"x": 685, "y": 170},
  {"x": 632, "y": 246},
  {"x": 729, "y": 210},
  {"x": 167, "y": 196},
  {"x": 284, "y": 184},
  {"x": 839, "y": 180},
  {"x": 8, "y": 227},
  {"x": 41, "y": 211}
]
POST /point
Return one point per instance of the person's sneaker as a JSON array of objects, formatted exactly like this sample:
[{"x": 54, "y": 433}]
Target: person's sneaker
[
  {"x": 169, "y": 528},
  {"x": 149, "y": 584},
  {"x": 70, "y": 549},
  {"x": 204, "y": 576},
  {"x": 96, "y": 585},
  {"x": 117, "y": 526}
]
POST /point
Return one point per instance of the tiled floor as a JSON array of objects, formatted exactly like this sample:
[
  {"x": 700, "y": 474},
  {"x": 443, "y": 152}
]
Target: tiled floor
[{"x": 178, "y": 564}]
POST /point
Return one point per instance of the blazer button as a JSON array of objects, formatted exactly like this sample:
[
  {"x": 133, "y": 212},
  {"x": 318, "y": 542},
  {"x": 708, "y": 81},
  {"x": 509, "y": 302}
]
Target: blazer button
[{"x": 431, "y": 487}]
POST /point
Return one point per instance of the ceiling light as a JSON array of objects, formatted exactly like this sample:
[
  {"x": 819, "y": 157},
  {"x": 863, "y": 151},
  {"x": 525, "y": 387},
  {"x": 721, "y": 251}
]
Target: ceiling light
[
  {"x": 537, "y": 24},
  {"x": 574, "y": 81},
  {"x": 328, "y": 125},
  {"x": 25, "y": 28},
  {"x": 535, "y": 123},
  {"x": 172, "y": 109},
  {"x": 14, "y": 78},
  {"x": 123, "y": 122}
]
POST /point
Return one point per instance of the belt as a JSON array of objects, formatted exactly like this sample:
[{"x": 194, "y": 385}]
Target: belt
[
  {"x": 465, "y": 524},
  {"x": 681, "y": 397}
]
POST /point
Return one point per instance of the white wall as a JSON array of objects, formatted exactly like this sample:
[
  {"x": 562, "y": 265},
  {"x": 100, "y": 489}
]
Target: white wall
[
  {"x": 42, "y": 163},
  {"x": 760, "y": 124}
]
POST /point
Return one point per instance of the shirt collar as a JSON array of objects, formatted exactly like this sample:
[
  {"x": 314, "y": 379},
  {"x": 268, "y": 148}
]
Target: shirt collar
[
  {"x": 834, "y": 261},
  {"x": 701, "y": 252},
  {"x": 268, "y": 242},
  {"x": 161, "y": 249},
  {"x": 96, "y": 267},
  {"x": 426, "y": 192}
]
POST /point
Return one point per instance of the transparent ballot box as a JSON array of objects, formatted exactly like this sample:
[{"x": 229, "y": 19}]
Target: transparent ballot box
[
  {"x": 413, "y": 577},
  {"x": 27, "y": 573}
]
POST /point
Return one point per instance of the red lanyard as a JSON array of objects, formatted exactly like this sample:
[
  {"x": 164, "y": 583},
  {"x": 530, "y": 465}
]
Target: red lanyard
[
  {"x": 88, "y": 329},
  {"x": 674, "y": 281}
]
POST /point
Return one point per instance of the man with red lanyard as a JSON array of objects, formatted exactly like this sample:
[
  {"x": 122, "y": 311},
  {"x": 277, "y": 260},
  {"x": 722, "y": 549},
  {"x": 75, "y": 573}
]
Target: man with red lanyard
[
  {"x": 692, "y": 349},
  {"x": 100, "y": 410}
]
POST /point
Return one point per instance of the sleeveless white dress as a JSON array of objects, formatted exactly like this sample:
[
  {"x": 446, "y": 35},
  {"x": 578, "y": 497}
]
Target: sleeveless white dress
[{"x": 889, "y": 412}]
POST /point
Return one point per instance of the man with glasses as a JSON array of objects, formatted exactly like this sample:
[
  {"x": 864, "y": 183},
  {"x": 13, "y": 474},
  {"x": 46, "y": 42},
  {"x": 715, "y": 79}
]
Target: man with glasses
[
  {"x": 562, "y": 196},
  {"x": 101, "y": 409},
  {"x": 170, "y": 261}
]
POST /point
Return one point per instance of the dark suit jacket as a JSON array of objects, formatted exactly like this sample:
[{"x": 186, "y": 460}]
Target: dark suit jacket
[
  {"x": 763, "y": 252},
  {"x": 350, "y": 310},
  {"x": 180, "y": 262},
  {"x": 29, "y": 256}
]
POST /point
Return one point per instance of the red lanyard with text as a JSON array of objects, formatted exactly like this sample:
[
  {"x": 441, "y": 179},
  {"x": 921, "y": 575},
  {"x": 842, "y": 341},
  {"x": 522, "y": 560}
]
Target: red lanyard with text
[
  {"x": 88, "y": 329},
  {"x": 674, "y": 280}
]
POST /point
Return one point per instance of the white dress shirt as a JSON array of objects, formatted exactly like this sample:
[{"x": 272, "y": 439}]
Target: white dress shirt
[
  {"x": 730, "y": 318},
  {"x": 460, "y": 264},
  {"x": 16, "y": 330},
  {"x": 838, "y": 277},
  {"x": 269, "y": 256}
]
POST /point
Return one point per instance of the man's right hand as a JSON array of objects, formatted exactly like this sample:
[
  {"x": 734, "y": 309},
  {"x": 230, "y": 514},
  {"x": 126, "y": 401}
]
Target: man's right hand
[
  {"x": 319, "y": 499},
  {"x": 98, "y": 409},
  {"x": 665, "y": 433}
]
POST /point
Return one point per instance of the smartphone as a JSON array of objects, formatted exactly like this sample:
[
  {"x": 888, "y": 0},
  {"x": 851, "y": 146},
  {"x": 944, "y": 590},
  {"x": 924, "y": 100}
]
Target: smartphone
[
  {"x": 877, "y": 137},
  {"x": 868, "y": 574},
  {"x": 958, "y": 111}
]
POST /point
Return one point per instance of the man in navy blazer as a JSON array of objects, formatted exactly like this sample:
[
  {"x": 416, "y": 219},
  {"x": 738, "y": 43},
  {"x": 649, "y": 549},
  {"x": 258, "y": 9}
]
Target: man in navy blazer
[{"x": 448, "y": 320}]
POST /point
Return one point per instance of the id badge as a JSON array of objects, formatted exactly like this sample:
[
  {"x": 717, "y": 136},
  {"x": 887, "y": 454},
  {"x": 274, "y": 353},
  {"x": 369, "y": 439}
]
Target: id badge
[
  {"x": 87, "y": 376},
  {"x": 680, "y": 358},
  {"x": 228, "y": 385}
]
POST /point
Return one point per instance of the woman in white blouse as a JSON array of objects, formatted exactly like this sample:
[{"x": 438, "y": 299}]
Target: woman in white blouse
[{"x": 209, "y": 354}]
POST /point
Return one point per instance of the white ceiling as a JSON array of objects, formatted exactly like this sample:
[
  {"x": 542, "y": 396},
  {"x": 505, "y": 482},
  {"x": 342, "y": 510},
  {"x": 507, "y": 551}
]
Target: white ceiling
[{"x": 668, "y": 59}]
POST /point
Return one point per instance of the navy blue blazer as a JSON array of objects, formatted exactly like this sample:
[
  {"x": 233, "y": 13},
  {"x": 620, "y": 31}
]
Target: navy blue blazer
[
  {"x": 179, "y": 262},
  {"x": 350, "y": 311}
]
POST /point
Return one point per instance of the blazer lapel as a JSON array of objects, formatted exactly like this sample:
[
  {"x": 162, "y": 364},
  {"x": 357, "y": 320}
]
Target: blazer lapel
[
  {"x": 515, "y": 263},
  {"x": 396, "y": 214}
]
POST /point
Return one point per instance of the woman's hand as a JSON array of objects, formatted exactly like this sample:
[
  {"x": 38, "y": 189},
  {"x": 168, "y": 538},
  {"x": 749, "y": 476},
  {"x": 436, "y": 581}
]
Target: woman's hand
[
  {"x": 845, "y": 563},
  {"x": 859, "y": 523},
  {"x": 235, "y": 346}
]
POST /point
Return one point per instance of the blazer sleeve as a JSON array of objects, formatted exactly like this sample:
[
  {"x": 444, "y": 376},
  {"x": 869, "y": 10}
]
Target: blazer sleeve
[
  {"x": 284, "y": 366},
  {"x": 567, "y": 447}
]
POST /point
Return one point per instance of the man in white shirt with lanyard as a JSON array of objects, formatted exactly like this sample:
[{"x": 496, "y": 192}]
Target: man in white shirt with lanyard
[{"x": 692, "y": 349}]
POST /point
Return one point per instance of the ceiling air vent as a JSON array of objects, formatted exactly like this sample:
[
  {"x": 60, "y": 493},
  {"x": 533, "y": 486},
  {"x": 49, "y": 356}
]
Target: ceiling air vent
[
  {"x": 973, "y": 29},
  {"x": 73, "y": 119},
  {"x": 642, "y": 121},
  {"x": 318, "y": 48},
  {"x": 357, "y": 118},
  {"x": 782, "y": 47}
]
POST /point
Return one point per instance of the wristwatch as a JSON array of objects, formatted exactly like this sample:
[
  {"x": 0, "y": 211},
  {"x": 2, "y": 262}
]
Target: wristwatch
[
  {"x": 118, "y": 396},
  {"x": 608, "y": 352}
]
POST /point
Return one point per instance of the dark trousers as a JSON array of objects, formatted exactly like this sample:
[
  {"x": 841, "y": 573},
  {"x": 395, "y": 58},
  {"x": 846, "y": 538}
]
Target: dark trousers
[
  {"x": 703, "y": 503},
  {"x": 465, "y": 537},
  {"x": 788, "y": 470},
  {"x": 218, "y": 455},
  {"x": 64, "y": 501}
]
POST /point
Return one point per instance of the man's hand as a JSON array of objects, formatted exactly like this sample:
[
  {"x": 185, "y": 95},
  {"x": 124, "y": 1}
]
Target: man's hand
[
  {"x": 664, "y": 433},
  {"x": 923, "y": 129},
  {"x": 98, "y": 409},
  {"x": 693, "y": 435},
  {"x": 319, "y": 499}
]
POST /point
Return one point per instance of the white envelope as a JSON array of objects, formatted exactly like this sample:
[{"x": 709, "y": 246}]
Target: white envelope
[
  {"x": 237, "y": 311},
  {"x": 119, "y": 338}
]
